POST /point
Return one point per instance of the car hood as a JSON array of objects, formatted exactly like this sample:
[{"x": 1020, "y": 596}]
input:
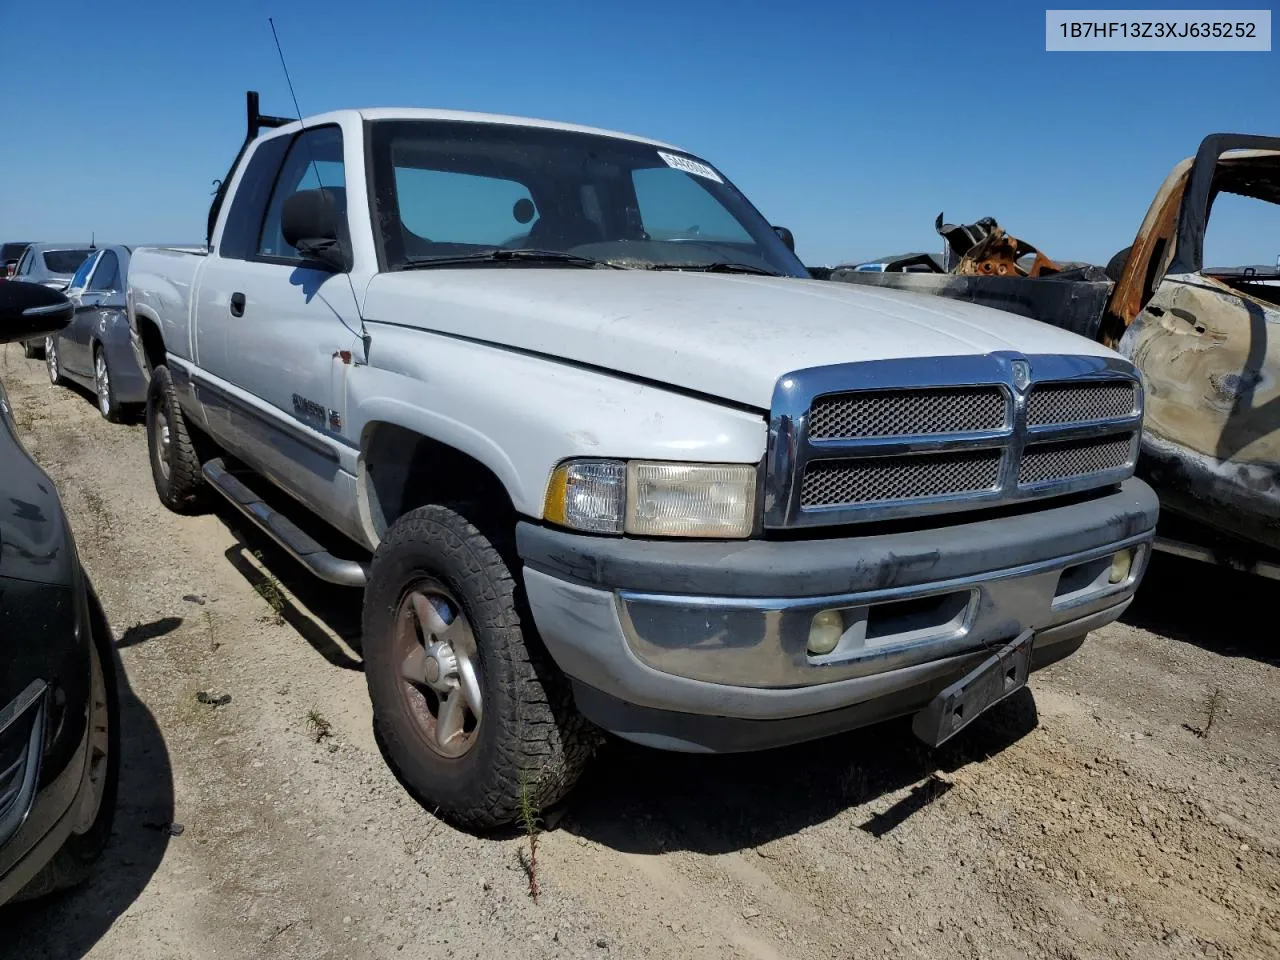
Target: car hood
[
  {"x": 35, "y": 541},
  {"x": 728, "y": 336}
]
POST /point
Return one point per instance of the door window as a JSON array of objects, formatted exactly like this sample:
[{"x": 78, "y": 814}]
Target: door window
[
  {"x": 243, "y": 223},
  {"x": 106, "y": 278},
  {"x": 314, "y": 160},
  {"x": 81, "y": 277}
]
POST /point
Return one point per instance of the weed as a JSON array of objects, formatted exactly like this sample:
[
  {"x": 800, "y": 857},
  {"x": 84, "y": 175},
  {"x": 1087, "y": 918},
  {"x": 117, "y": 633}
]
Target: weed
[
  {"x": 531, "y": 821},
  {"x": 214, "y": 644},
  {"x": 1211, "y": 707},
  {"x": 270, "y": 590},
  {"x": 318, "y": 725}
]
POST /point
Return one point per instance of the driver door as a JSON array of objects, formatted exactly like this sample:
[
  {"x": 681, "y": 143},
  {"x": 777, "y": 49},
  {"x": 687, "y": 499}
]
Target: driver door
[
  {"x": 73, "y": 339},
  {"x": 271, "y": 327}
]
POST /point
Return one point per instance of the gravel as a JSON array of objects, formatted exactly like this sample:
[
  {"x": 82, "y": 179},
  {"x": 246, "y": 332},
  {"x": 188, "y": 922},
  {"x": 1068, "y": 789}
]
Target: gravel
[{"x": 1084, "y": 818}]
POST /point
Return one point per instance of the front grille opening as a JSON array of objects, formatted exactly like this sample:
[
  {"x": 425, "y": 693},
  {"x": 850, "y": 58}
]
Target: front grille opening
[
  {"x": 900, "y": 413},
  {"x": 1063, "y": 460},
  {"x": 1053, "y": 404},
  {"x": 862, "y": 480},
  {"x": 20, "y": 742},
  {"x": 903, "y": 620},
  {"x": 13, "y": 762}
]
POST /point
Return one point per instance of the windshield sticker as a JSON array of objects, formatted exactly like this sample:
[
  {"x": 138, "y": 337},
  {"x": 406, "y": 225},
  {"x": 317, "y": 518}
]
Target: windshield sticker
[{"x": 677, "y": 162}]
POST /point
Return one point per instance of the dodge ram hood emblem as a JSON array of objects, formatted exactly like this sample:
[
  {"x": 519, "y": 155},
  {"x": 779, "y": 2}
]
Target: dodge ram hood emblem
[{"x": 1021, "y": 374}]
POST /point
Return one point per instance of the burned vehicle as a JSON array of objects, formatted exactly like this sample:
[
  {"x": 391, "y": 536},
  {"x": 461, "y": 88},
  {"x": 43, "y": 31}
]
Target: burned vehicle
[{"x": 1199, "y": 334}]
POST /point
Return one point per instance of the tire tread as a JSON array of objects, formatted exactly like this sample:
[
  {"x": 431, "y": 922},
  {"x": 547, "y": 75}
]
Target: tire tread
[
  {"x": 185, "y": 491},
  {"x": 543, "y": 741}
]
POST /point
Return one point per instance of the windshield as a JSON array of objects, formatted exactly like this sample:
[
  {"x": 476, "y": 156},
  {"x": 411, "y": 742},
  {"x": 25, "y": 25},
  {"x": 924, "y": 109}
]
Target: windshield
[
  {"x": 450, "y": 189},
  {"x": 64, "y": 261}
]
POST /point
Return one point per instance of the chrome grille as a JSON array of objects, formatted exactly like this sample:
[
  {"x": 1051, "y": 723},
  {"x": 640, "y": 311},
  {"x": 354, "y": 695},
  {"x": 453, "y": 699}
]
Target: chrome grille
[
  {"x": 1065, "y": 459},
  {"x": 1056, "y": 403},
  {"x": 893, "y": 413},
  {"x": 918, "y": 436},
  {"x": 882, "y": 479}
]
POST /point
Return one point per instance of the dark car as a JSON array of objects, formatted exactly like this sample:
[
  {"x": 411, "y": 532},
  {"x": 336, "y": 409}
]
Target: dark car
[
  {"x": 10, "y": 254},
  {"x": 53, "y": 265},
  {"x": 94, "y": 349},
  {"x": 59, "y": 737}
]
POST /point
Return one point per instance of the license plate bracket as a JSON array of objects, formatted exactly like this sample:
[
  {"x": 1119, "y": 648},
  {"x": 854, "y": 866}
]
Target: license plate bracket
[{"x": 1001, "y": 675}]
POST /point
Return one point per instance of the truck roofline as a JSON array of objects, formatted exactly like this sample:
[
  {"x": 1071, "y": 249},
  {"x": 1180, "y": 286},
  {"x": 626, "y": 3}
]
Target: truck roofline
[{"x": 427, "y": 113}]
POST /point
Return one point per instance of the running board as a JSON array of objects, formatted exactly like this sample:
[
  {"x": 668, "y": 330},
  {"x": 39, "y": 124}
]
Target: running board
[
  {"x": 307, "y": 551},
  {"x": 1191, "y": 551}
]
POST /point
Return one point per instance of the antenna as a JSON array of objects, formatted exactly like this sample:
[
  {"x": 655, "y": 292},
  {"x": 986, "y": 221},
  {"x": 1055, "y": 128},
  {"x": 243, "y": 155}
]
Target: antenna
[
  {"x": 285, "y": 67},
  {"x": 363, "y": 334}
]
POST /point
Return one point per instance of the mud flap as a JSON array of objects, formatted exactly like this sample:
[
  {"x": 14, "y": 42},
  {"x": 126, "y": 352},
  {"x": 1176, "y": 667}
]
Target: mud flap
[{"x": 1003, "y": 673}]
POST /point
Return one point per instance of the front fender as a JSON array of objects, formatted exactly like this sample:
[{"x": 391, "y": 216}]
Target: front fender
[{"x": 520, "y": 414}]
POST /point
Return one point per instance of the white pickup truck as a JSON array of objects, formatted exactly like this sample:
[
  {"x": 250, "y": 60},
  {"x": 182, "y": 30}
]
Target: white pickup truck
[{"x": 571, "y": 412}]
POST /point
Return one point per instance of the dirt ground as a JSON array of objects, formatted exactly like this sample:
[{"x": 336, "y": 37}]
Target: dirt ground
[{"x": 1087, "y": 818}]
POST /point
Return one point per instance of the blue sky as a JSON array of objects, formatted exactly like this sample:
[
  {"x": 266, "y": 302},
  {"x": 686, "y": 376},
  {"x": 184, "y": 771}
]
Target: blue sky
[{"x": 853, "y": 124}]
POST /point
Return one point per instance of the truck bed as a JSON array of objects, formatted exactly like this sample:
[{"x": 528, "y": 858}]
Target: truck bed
[{"x": 160, "y": 283}]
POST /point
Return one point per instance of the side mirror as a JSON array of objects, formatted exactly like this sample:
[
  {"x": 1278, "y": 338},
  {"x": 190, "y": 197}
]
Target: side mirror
[
  {"x": 310, "y": 222},
  {"x": 29, "y": 311},
  {"x": 787, "y": 239},
  {"x": 9, "y": 267}
]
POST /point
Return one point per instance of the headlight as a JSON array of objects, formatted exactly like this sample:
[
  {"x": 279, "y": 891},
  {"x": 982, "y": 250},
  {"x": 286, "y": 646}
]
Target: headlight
[{"x": 652, "y": 499}]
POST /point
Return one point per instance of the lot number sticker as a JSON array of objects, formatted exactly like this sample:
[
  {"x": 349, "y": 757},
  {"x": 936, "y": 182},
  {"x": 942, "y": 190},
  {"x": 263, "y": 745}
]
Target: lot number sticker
[{"x": 677, "y": 162}]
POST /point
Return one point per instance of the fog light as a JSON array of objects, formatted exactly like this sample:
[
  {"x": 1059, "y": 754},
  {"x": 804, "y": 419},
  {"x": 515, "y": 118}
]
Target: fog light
[
  {"x": 1121, "y": 564},
  {"x": 825, "y": 631}
]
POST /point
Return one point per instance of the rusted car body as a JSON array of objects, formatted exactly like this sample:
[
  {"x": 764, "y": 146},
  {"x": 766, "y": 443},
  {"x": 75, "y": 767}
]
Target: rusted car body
[{"x": 1203, "y": 339}]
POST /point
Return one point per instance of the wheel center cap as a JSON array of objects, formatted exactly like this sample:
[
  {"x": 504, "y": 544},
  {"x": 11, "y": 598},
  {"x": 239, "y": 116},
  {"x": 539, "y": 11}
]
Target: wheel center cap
[{"x": 441, "y": 667}]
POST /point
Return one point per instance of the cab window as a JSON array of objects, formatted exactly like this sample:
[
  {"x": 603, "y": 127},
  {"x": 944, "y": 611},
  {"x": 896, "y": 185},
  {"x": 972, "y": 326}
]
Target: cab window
[{"x": 314, "y": 160}]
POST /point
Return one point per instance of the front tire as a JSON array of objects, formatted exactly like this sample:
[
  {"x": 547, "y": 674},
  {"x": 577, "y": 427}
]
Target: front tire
[
  {"x": 471, "y": 713},
  {"x": 175, "y": 462},
  {"x": 108, "y": 405}
]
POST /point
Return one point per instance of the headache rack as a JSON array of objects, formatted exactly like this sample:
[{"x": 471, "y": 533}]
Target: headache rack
[{"x": 255, "y": 122}]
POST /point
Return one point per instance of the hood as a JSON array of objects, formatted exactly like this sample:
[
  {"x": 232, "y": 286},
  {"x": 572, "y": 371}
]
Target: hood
[
  {"x": 35, "y": 541},
  {"x": 727, "y": 336}
]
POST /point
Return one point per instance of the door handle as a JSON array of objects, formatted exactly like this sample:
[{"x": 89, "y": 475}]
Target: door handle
[{"x": 237, "y": 304}]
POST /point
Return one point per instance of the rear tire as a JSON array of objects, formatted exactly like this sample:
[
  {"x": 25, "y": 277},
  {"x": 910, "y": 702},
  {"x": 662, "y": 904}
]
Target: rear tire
[
  {"x": 53, "y": 362},
  {"x": 175, "y": 462},
  {"x": 529, "y": 738},
  {"x": 110, "y": 408}
]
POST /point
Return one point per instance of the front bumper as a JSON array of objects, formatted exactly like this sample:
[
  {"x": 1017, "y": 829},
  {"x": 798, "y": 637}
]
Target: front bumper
[
  {"x": 44, "y": 730},
  {"x": 702, "y": 645}
]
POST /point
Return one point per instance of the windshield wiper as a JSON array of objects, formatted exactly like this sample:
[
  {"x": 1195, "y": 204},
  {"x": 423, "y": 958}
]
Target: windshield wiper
[
  {"x": 718, "y": 267},
  {"x": 512, "y": 256}
]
